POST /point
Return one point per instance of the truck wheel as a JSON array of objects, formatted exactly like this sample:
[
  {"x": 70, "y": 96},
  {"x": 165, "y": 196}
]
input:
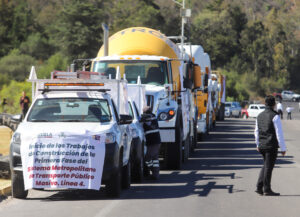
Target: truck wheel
[
  {"x": 195, "y": 139},
  {"x": 17, "y": 183},
  {"x": 113, "y": 186},
  {"x": 173, "y": 154},
  {"x": 200, "y": 136},
  {"x": 126, "y": 175},
  {"x": 138, "y": 166}
]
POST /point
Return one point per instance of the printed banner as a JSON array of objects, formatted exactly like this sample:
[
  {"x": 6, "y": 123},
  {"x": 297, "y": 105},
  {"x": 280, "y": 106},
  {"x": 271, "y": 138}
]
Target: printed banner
[{"x": 63, "y": 161}]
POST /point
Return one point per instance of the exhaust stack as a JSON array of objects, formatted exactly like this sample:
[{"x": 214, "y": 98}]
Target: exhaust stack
[{"x": 105, "y": 38}]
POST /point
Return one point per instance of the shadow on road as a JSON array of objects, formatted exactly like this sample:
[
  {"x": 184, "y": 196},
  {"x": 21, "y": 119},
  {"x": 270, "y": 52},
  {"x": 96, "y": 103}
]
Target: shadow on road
[{"x": 230, "y": 147}]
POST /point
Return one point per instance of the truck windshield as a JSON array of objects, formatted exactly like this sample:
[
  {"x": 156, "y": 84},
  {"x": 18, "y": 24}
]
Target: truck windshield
[
  {"x": 70, "y": 110},
  {"x": 150, "y": 72}
]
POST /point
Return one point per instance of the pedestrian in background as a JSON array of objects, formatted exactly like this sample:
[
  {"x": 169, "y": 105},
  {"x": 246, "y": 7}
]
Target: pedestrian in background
[
  {"x": 289, "y": 112},
  {"x": 280, "y": 109},
  {"x": 268, "y": 138},
  {"x": 4, "y": 103},
  {"x": 153, "y": 141},
  {"x": 24, "y": 103}
]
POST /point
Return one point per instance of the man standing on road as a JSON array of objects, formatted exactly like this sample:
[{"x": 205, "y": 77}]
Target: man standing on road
[
  {"x": 152, "y": 142},
  {"x": 289, "y": 112},
  {"x": 24, "y": 104},
  {"x": 268, "y": 138},
  {"x": 279, "y": 109}
]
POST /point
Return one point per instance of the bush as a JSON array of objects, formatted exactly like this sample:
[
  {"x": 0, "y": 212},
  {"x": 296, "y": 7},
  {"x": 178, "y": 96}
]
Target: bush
[
  {"x": 17, "y": 66},
  {"x": 55, "y": 62},
  {"x": 12, "y": 93}
]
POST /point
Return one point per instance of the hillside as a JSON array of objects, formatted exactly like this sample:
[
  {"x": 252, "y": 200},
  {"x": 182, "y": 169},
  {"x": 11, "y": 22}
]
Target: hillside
[{"x": 255, "y": 43}]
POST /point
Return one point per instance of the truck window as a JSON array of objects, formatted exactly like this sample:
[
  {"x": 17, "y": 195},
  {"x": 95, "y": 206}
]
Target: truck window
[
  {"x": 115, "y": 110},
  {"x": 136, "y": 109},
  {"x": 70, "y": 110},
  {"x": 150, "y": 72},
  {"x": 130, "y": 110}
]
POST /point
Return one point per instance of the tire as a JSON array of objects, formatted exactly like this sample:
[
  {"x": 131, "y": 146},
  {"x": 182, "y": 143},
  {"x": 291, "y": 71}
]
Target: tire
[
  {"x": 126, "y": 175},
  {"x": 173, "y": 154},
  {"x": 199, "y": 136},
  {"x": 137, "y": 174},
  {"x": 17, "y": 184},
  {"x": 186, "y": 150},
  {"x": 194, "y": 140},
  {"x": 113, "y": 186}
]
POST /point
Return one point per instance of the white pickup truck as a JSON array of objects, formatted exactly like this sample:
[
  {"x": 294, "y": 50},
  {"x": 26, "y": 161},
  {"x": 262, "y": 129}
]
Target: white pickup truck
[{"x": 72, "y": 137}]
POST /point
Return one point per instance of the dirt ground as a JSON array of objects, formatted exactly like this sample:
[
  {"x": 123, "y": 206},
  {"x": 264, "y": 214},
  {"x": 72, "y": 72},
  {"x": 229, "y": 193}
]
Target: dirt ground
[{"x": 5, "y": 136}]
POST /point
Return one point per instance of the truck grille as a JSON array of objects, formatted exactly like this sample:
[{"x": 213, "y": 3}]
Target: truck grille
[{"x": 150, "y": 101}]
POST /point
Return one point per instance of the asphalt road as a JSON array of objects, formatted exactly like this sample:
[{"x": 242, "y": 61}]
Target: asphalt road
[
  {"x": 295, "y": 111},
  {"x": 218, "y": 181}
]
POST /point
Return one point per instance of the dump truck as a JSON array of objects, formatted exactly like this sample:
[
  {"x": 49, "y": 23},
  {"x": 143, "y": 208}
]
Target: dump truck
[{"x": 166, "y": 73}]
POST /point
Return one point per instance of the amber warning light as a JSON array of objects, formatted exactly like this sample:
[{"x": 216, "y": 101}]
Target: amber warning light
[{"x": 73, "y": 84}]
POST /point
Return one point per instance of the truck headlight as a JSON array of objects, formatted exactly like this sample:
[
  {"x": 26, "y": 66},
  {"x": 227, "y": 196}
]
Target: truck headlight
[
  {"x": 163, "y": 116},
  {"x": 16, "y": 138},
  {"x": 110, "y": 138},
  {"x": 166, "y": 115}
]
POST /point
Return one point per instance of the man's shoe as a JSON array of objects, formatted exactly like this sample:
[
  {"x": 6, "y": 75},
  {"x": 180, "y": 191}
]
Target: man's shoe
[
  {"x": 259, "y": 191},
  {"x": 271, "y": 193}
]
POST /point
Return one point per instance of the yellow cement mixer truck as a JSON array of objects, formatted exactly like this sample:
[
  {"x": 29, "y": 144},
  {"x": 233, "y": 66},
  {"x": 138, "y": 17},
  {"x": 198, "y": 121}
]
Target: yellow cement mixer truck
[
  {"x": 168, "y": 77},
  {"x": 203, "y": 94}
]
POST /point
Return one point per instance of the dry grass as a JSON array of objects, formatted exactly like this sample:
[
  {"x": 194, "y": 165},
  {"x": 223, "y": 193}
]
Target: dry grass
[{"x": 5, "y": 136}]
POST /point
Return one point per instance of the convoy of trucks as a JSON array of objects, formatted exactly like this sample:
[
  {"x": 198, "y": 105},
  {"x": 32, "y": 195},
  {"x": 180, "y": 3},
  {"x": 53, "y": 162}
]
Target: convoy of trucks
[{"x": 136, "y": 67}]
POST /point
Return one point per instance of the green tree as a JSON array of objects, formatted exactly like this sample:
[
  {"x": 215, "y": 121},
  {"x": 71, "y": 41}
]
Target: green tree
[
  {"x": 37, "y": 46},
  {"x": 55, "y": 62},
  {"x": 129, "y": 13},
  {"x": 16, "y": 66},
  {"x": 12, "y": 93},
  {"x": 77, "y": 32},
  {"x": 6, "y": 15},
  {"x": 4, "y": 79},
  {"x": 218, "y": 30}
]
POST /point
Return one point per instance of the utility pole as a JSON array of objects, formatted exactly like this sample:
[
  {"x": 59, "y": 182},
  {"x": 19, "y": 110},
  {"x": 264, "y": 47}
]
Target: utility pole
[
  {"x": 185, "y": 13},
  {"x": 183, "y": 20}
]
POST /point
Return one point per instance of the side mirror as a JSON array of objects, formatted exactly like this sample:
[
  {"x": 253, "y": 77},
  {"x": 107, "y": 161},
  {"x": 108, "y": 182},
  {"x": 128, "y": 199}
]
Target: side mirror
[
  {"x": 205, "y": 79},
  {"x": 125, "y": 119},
  {"x": 187, "y": 82},
  {"x": 197, "y": 76},
  {"x": 17, "y": 118},
  {"x": 146, "y": 117}
]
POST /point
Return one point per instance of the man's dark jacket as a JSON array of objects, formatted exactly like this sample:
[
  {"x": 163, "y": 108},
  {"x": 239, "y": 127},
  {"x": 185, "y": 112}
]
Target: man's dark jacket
[
  {"x": 151, "y": 130},
  {"x": 266, "y": 130}
]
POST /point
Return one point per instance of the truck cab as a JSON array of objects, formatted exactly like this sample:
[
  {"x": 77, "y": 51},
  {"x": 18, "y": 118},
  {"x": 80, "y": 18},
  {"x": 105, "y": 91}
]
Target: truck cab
[{"x": 162, "y": 68}]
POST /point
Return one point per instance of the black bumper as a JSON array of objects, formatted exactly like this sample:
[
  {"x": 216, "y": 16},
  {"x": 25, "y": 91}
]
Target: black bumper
[{"x": 111, "y": 161}]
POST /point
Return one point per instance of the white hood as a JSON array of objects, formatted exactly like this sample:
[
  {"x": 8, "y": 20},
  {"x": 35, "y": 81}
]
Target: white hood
[{"x": 35, "y": 129}]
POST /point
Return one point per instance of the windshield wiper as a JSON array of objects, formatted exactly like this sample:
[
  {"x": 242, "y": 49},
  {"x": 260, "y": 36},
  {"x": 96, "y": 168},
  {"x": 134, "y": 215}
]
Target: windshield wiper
[
  {"x": 69, "y": 121},
  {"x": 37, "y": 120}
]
